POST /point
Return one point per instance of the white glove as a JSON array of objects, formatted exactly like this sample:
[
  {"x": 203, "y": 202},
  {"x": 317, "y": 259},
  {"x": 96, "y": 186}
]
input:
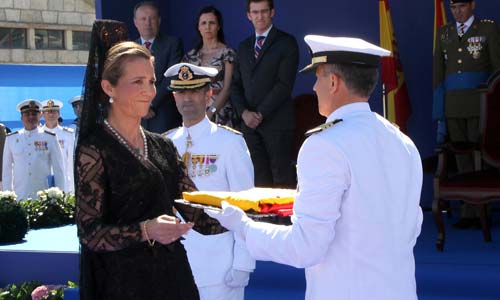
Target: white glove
[
  {"x": 237, "y": 278},
  {"x": 232, "y": 217}
]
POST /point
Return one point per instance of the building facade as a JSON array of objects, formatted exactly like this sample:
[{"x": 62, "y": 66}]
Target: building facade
[{"x": 45, "y": 31}]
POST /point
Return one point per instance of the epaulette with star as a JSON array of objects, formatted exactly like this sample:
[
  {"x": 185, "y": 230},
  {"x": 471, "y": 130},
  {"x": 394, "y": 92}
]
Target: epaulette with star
[
  {"x": 48, "y": 132},
  {"x": 487, "y": 21},
  {"x": 322, "y": 127},
  {"x": 12, "y": 133},
  {"x": 70, "y": 130},
  {"x": 230, "y": 129},
  {"x": 170, "y": 131}
]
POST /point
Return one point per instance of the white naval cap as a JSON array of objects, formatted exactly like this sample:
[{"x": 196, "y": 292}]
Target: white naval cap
[
  {"x": 184, "y": 76},
  {"x": 75, "y": 99},
  {"x": 51, "y": 104},
  {"x": 342, "y": 50},
  {"x": 29, "y": 104}
]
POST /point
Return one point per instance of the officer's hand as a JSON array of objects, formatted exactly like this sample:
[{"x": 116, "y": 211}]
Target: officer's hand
[
  {"x": 231, "y": 217},
  {"x": 237, "y": 278}
]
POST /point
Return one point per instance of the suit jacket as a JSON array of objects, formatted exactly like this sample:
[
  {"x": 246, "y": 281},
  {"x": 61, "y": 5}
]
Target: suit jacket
[
  {"x": 461, "y": 64},
  {"x": 168, "y": 51},
  {"x": 265, "y": 84}
]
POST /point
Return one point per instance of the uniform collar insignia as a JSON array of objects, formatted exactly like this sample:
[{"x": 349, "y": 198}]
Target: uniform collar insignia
[{"x": 322, "y": 127}]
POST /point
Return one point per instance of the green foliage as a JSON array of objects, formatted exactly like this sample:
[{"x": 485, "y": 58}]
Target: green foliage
[
  {"x": 50, "y": 210},
  {"x": 19, "y": 292},
  {"x": 13, "y": 221}
]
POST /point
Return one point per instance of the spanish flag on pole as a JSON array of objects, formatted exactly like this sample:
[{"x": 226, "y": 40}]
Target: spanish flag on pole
[
  {"x": 398, "y": 101},
  {"x": 439, "y": 18}
]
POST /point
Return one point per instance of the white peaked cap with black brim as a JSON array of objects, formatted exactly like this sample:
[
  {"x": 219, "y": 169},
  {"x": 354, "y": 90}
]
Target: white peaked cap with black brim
[
  {"x": 342, "y": 50},
  {"x": 184, "y": 76}
]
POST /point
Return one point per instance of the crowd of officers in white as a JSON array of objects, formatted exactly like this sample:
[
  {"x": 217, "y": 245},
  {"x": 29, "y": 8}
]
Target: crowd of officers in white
[{"x": 38, "y": 156}]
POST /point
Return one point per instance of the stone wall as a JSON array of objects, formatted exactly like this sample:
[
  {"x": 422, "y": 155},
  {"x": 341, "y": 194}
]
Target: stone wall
[{"x": 67, "y": 15}]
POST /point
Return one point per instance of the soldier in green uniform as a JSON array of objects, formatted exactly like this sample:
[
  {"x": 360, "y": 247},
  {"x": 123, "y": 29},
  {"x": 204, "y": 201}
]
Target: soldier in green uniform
[{"x": 467, "y": 52}]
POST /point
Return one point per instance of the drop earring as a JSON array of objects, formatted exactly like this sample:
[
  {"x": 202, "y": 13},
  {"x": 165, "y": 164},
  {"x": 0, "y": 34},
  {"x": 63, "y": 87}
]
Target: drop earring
[{"x": 111, "y": 100}]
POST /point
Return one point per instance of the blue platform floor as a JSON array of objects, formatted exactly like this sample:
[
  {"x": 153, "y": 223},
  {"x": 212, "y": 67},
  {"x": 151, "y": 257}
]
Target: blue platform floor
[{"x": 468, "y": 269}]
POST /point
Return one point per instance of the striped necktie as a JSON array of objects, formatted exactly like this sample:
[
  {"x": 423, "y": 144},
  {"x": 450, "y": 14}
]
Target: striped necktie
[
  {"x": 461, "y": 29},
  {"x": 258, "y": 45}
]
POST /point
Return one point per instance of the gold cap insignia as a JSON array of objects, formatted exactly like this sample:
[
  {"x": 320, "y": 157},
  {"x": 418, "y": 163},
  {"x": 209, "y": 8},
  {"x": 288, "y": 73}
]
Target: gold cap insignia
[{"x": 185, "y": 73}]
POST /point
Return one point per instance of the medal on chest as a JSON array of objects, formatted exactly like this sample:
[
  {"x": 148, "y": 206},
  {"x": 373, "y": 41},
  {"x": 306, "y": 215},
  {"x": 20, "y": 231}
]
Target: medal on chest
[
  {"x": 41, "y": 146},
  {"x": 475, "y": 46},
  {"x": 203, "y": 165},
  {"x": 61, "y": 143}
]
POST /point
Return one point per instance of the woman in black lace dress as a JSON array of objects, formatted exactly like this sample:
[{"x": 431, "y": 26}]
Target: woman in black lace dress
[{"x": 126, "y": 183}]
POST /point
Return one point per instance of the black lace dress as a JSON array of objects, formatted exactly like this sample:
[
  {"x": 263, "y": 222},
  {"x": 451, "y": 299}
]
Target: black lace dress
[{"x": 116, "y": 191}]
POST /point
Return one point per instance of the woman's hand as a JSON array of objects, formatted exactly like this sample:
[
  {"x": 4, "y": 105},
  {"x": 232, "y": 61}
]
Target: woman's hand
[{"x": 166, "y": 229}]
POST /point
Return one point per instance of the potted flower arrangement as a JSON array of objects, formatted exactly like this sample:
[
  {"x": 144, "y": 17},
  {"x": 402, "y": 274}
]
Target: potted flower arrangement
[
  {"x": 13, "y": 219},
  {"x": 52, "y": 208}
]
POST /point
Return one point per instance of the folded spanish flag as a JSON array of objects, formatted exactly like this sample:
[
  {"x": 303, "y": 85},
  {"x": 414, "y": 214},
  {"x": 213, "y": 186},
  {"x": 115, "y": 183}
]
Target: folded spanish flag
[{"x": 261, "y": 200}]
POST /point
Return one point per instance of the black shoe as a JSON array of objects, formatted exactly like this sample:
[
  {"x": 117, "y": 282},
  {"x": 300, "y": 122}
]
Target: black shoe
[{"x": 466, "y": 223}]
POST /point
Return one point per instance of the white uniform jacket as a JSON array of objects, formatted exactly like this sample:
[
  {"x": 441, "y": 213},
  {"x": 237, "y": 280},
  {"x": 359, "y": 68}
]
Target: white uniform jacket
[
  {"x": 66, "y": 139},
  {"x": 29, "y": 157},
  {"x": 356, "y": 214},
  {"x": 220, "y": 161}
]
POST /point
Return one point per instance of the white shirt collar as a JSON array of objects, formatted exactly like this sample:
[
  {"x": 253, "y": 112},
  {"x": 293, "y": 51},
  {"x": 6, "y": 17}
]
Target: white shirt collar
[
  {"x": 150, "y": 40},
  {"x": 348, "y": 109},
  {"x": 265, "y": 34},
  {"x": 198, "y": 130},
  {"x": 467, "y": 23},
  {"x": 44, "y": 127}
]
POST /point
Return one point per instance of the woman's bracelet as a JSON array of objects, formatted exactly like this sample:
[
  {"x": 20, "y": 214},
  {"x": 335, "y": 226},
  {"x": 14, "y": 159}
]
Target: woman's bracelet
[{"x": 145, "y": 230}]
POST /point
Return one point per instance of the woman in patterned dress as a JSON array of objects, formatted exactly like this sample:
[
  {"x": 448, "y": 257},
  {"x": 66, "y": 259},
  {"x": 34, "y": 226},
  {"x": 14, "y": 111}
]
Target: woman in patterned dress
[{"x": 211, "y": 51}]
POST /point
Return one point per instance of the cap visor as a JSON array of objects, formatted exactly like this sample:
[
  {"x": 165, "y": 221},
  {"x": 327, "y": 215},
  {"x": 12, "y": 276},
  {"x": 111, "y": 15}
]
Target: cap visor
[{"x": 309, "y": 69}]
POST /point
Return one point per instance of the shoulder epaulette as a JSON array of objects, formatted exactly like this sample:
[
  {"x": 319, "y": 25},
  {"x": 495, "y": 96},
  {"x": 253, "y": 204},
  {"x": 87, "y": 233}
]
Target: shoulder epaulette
[
  {"x": 12, "y": 133},
  {"x": 48, "y": 132},
  {"x": 71, "y": 130},
  {"x": 230, "y": 129},
  {"x": 487, "y": 21},
  {"x": 322, "y": 127},
  {"x": 170, "y": 131}
]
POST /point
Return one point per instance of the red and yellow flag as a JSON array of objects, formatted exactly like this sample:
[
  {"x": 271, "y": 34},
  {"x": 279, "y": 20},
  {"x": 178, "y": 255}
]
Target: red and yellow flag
[
  {"x": 398, "y": 101},
  {"x": 439, "y": 18}
]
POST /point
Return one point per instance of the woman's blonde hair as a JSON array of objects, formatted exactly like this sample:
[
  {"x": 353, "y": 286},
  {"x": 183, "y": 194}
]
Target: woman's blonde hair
[{"x": 118, "y": 55}]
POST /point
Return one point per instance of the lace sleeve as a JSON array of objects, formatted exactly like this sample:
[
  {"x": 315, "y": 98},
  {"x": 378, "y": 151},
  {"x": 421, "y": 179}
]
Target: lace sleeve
[
  {"x": 90, "y": 195},
  {"x": 202, "y": 222}
]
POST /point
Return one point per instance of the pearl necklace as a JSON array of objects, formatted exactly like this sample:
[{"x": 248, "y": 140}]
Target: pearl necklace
[{"x": 137, "y": 153}]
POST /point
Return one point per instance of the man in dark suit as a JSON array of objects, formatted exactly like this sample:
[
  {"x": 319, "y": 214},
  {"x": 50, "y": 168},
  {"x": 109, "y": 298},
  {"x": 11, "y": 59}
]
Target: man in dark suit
[
  {"x": 467, "y": 53},
  {"x": 167, "y": 51},
  {"x": 261, "y": 94}
]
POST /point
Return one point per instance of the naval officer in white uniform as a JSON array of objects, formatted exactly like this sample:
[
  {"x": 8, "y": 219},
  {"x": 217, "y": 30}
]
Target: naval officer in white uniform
[
  {"x": 217, "y": 159},
  {"x": 31, "y": 155},
  {"x": 65, "y": 136},
  {"x": 356, "y": 214},
  {"x": 76, "y": 102}
]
